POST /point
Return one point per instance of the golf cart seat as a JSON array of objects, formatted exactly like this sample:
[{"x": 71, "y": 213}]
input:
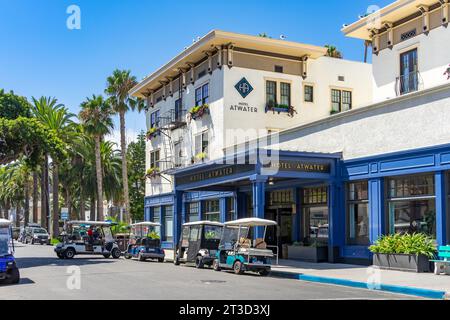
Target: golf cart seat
[
  {"x": 260, "y": 244},
  {"x": 245, "y": 243}
]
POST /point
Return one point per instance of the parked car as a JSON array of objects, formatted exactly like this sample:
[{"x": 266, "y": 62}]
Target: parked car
[
  {"x": 36, "y": 235},
  {"x": 16, "y": 233}
]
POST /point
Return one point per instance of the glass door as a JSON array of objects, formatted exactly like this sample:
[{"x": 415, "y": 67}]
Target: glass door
[{"x": 409, "y": 81}]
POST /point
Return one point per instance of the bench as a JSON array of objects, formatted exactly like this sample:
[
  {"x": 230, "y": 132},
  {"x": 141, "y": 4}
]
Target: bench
[{"x": 442, "y": 265}]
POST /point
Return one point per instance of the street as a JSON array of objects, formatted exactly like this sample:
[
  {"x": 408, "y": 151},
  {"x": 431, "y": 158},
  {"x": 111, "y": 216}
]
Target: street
[{"x": 43, "y": 276}]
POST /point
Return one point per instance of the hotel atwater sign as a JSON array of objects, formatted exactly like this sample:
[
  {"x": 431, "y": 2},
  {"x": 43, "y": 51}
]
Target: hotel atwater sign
[
  {"x": 219, "y": 172},
  {"x": 299, "y": 166}
]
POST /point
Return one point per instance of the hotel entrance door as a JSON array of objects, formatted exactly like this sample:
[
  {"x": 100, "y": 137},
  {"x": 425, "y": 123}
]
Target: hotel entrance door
[{"x": 283, "y": 233}]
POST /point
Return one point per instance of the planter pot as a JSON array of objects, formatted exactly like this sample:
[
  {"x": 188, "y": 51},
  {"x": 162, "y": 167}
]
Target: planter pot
[
  {"x": 309, "y": 254},
  {"x": 402, "y": 262}
]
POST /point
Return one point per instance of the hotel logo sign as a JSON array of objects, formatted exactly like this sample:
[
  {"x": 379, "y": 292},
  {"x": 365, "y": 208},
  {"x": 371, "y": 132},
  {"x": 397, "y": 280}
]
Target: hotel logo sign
[
  {"x": 244, "y": 88},
  {"x": 298, "y": 166}
]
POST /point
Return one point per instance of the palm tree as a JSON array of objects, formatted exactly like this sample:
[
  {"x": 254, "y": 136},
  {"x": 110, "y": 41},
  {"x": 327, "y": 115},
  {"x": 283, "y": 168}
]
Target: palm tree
[
  {"x": 96, "y": 118},
  {"x": 333, "y": 52},
  {"x": 118, "y": 86},
  {"x": 56, "y": 117}
]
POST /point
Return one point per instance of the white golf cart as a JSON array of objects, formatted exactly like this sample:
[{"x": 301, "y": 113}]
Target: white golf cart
[
  {"x": 78, "y": 241},
  {"x": 238, "y": 252}
]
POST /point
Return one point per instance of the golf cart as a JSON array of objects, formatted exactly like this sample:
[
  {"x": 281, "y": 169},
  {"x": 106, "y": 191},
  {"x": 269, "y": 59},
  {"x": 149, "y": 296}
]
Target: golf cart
[
  {"x": 144, "y": 243},
  {"x": 9, "y": 273},
  {"x": 77, "y": 240},
  {"x": 239, "y": 253},
  {"x": 199, "y": 243}
]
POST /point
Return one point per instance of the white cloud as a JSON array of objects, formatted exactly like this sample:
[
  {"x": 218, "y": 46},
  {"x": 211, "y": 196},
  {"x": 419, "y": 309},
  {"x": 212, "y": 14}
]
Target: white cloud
[{"x": 130, "y": 134}]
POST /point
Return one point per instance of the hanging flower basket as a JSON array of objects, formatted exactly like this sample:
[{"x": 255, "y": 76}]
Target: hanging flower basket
[
  {"x": 152, "y": 133},
  {"x": 152, "y": 173},
  {"x": 198, "y": 112},
  {"x": 281, "y": 108}
]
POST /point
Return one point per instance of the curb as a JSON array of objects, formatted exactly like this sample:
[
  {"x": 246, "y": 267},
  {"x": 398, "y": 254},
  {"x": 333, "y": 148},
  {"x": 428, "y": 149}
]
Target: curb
[{"x": 420, "y": 292}]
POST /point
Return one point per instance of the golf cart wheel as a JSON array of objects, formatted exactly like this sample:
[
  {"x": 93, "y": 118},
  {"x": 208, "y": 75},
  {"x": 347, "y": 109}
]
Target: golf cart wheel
[
  {"x": 161, "y": 260},
  {"x": 13, "y": 276},
  {"x": 127, "y": 256},
  {"x": 238, "y": 267},
  {"x": 216, "y": 266},
  {"x": 106, "y": 255},
  {"x": 199, "y": 264},
  {"x": 176, "y": 261},
  {"x": 116, "y": 253},
  {"x": 264, "y": 273},
  {"x": 140, "y": 257},
  {"x": 69, "y": 253}
]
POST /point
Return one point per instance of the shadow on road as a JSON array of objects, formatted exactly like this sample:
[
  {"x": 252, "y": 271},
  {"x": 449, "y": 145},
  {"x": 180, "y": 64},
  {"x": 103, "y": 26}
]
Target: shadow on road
[{"x": 32, "y": 262}]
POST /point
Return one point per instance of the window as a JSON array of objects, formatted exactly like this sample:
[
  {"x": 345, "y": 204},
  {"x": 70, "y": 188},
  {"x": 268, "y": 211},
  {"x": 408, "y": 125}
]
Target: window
[
  {"x": 154, "y": 159},
  {"x": 357, "y": 213},
  {"x": 168, "y": 223},
  {"x": 192, "y": 212},
  {"x": 156, "y": 217},
  {"x": 341, "y": 100},
  {"x": 279, "y": 69},
  {"x": 409, "y": 81},
  {"x": 281, "y": 197},
  {"x": 202, "y": 95},
  {"x": 315, "y": 196},
  {"x": 411, "y": 205},
  {"x": 212, "y": 210},
  {"x": 285, "y": 91},
  {"x": 231, "y": 213},
  {"x": 178, "y": 159},
  {"x": 201, "y": 143},
  {"x": 154, "y": 119},
  {"x": 309, "y": 93},
  {"x": 178, "y": 110},
  {"x": 271, "y": 93}
]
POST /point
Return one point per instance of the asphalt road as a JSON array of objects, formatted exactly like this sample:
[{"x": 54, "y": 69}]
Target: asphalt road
[{"x": 43, "y": 276}]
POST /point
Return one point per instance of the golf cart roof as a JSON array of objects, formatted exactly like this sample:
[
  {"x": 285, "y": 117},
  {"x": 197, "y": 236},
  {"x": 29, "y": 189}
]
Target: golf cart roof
[
  {"x": 5, "y": 223},
  {"x": 251, "y": 222},
  {"x": 146, "y": 224},
  {"x": 196, "y": 223},
  {"x": 92, "y": 223}
]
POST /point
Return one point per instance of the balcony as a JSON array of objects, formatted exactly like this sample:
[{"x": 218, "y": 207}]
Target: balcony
[
  {"x": 173, "y": 119},
  {"x": 408, "y": 83}
]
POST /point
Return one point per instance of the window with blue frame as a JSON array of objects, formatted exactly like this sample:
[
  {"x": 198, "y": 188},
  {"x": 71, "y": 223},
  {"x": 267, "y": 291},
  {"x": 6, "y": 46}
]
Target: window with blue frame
[
  {"x": 212, "y": 210},
  {"x": 412, "y": 204},
  {"x": 202, "y": 95},
  {"x": 178, "y": 110},
  {"x": 357, "y": 213},
  {"x": 192, "y": 211},
  {"x": 168, "y": 223},
  {"x": 154, "y": 119},
  {"x": 155, "y": 216},
  {"x": 231, "y": 212}
]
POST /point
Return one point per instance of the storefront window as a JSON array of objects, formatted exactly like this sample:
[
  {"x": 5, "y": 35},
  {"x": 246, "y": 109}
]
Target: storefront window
[
  {"x": 168, "y": 223},
  {"x": 212, "y": 210},
  {"x": 155, "y": 217},
  {"x": 315, "y": 215},
  {"x": 411, "y": 205},
  {"x": 192, "y": 211},
  {"x": 358, "y": 213},
  {"x": 231, "y": 213},
  {"x": 281, "y": 197}
]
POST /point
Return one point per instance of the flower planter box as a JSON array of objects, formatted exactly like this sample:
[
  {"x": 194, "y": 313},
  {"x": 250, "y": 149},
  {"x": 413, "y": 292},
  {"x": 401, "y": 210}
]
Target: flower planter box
[
  {"x": 308, "y": 254},
  {"x": 402, "y": 262},
  {"x": 275, "y": 109}
]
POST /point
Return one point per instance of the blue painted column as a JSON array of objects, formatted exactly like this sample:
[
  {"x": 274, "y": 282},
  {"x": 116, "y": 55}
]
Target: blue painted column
[
  {"x": 223, "y": 209},
  {"x": 147, "y": 214},
  {"x": 259, "y": 202},
  {"x": 241, "y": 204},
  {"x": 177, "y": 216},
  {"x": 336, "y": 223},
  {"x": 376, "y": 209},
  {"x": 441, "y": 207},
  {"x": 297, "y": 223}
]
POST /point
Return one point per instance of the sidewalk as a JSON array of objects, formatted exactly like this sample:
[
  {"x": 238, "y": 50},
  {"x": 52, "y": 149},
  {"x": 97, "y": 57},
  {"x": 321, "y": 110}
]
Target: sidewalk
[{"x": 420, "y": 284}]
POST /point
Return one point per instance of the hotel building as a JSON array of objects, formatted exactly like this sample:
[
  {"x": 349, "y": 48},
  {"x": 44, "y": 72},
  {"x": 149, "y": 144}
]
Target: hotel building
[{"x": 359, "y": 152}]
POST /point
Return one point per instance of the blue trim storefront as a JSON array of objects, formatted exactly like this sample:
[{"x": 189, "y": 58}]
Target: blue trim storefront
[{"x": 354, "y": 201}]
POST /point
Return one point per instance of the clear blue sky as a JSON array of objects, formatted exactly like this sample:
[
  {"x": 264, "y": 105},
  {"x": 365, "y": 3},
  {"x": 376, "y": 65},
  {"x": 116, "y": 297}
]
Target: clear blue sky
[{"x": 41, "y": 56}]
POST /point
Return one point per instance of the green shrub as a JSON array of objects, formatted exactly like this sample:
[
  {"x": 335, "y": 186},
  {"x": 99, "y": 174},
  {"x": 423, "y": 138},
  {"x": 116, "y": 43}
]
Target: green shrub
[
  {"x": 415, "y": 244},
  {"x": 54, "y": 241}
]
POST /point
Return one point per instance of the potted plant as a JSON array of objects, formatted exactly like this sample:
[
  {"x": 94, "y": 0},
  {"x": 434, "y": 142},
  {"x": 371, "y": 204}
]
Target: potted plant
[
  {"x": 152, "y": 172},
  {"x": 201, "y": 156},
  {"x": 404, "y": 252},
  {"x": 198, "y": 112},
  {"x": 152, "y": 132},
  {"x": 315, "y": 252},
  {"x": 290, "y": 110}
]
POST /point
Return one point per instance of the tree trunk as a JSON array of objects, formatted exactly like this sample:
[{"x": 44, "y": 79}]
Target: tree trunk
[
  {"x": 27, "y": 202},
  {"x": 17, "y": 217},
  {"x": 44, "y": 194},
  {"x": 82, "y": 208},
  {"x": 98, "y": 169},
  {"x": 55, "y": 213},
  {"x": 123, "y": 147},
  {"x": 35, "y": 197},
  {"x": 92, "y": 213}
]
